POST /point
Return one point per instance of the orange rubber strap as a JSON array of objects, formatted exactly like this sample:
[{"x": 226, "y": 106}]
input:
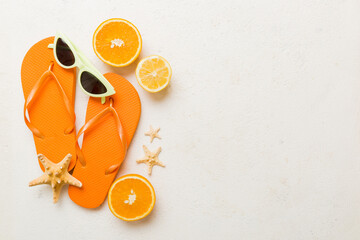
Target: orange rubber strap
[
  {"x": 34, "y": 95},
  {"x": 93, "y": 122}
]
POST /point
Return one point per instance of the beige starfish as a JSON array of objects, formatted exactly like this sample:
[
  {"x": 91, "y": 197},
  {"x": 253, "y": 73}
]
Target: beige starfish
[
  {"x": 151, "y": 158},
  {"x": 56, "y": 175},
  {"x": 153, "y": 133}
]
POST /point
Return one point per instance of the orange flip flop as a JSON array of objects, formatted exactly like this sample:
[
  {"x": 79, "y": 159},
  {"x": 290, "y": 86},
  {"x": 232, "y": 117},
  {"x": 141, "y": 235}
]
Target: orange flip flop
[
  {"x": 108, "y": 131},
  {"x": 49, "y": 92}
]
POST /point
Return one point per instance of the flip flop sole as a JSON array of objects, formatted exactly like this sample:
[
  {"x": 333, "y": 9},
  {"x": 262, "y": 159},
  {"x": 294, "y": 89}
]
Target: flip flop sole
[
  {"x": 102, "y": 147},
  {"x": 48, "y": 112}
]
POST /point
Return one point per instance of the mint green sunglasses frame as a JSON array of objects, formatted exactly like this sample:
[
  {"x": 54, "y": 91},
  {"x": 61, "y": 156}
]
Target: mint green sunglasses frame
[{"x": 83, "y": 64}]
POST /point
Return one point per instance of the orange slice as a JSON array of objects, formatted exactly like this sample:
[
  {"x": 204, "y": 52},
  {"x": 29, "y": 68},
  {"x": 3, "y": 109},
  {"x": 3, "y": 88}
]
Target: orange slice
[
  {"x": 117, "y": 42},
  {"x": 153, "y": 73},
  {"x": 131, "y": 197}
]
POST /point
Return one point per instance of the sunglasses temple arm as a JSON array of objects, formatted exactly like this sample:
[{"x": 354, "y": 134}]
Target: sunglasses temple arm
[
  {"x": 51, "y": 45},
  {"x": 81, "y": 55}
]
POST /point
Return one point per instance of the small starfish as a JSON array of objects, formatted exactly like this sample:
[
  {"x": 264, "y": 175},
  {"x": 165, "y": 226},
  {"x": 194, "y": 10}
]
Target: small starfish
[
  {"x": 56, "y": 175},
  {"x": 151, "y": 158},
  {"x": 153, "y": 133}
]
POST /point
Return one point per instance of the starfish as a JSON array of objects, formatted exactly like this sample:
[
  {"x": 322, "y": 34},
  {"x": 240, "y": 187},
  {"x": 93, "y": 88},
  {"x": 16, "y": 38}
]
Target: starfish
[
  {"x": 151, "y": 158},
  {"x": 56, "y": 175},
  {"x": 153, "y": 133}
]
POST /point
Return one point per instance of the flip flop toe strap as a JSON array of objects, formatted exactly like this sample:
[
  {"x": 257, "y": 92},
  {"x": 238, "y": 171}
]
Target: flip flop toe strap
[
  {"x": 34, "y": 94},
  {"x": 92, "y": 123}
]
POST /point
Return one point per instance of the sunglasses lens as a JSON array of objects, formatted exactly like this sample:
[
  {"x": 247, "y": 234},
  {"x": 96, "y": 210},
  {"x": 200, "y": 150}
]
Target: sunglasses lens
[
  {"x": 91, "y": 84},
  {"x": 64, "y": 53}
]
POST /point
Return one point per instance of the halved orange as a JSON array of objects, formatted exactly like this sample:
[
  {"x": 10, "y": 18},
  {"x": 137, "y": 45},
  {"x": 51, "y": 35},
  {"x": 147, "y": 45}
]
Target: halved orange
[
  {"x": 117, "y": 42},
  {"x": 153, "y": 73},
  {"x": 131, "y": 197}
]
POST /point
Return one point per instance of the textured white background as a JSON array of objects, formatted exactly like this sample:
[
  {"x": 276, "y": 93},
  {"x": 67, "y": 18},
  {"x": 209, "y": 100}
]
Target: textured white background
[{"x": 260, "y": 125}]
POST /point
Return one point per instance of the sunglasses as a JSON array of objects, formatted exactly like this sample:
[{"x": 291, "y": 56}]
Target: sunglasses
[{"x": 92, "y": 82}]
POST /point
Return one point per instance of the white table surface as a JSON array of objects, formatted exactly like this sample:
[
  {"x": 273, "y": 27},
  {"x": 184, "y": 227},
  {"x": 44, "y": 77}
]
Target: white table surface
[{"x": 260, "y": 124}]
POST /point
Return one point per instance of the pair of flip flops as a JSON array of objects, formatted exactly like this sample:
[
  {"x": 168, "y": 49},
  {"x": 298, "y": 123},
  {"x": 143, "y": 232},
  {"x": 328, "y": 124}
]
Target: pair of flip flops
[{"x": 49, "y": 92}]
